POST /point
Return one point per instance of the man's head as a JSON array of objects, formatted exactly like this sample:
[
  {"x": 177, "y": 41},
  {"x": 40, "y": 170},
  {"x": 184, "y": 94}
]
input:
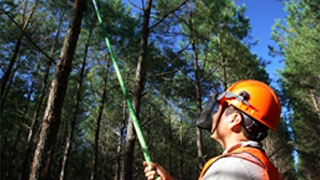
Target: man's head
[
  {"x": 248, "y": 104},
  {"x": 256, "y": 100},
  {"x": 251, "y": 128}
]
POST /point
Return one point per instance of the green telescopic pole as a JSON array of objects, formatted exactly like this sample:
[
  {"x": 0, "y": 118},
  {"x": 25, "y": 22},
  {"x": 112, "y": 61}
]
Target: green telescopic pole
[{"x": 124, "y": 90}]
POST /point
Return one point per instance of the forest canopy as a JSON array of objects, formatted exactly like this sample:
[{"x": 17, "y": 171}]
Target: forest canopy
[{"x": 63, "y": 112}]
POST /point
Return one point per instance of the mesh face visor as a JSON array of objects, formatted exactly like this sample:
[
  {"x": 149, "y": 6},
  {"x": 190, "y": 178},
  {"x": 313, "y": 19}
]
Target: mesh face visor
[{"x": 212, "y": 105}]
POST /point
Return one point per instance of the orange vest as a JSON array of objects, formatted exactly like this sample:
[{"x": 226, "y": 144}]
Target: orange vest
[{"x": 271, "y": 171}]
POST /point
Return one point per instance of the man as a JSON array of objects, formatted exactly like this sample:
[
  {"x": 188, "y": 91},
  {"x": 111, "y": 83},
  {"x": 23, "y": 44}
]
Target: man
[{"x": 246, "y": 111}]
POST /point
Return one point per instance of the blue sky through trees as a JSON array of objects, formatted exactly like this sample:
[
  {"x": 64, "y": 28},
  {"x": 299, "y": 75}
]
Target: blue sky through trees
[{"x": 263, "y": 14}]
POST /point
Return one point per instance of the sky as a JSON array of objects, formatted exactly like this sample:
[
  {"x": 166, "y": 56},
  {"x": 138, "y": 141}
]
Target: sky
[{"x": 262, "y": 15}]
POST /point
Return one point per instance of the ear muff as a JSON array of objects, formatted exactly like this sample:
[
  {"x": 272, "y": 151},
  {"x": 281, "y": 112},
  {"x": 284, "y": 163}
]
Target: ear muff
[{"x": 255, "y": 130}]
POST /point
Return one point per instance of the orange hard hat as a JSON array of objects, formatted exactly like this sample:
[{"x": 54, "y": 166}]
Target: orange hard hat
[{"x": 255, "y": 99}]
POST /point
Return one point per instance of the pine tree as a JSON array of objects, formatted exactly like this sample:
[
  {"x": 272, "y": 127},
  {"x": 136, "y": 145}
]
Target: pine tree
[
  {"x": 299, "y": 46},
  {"x": 51, "y": 119}
]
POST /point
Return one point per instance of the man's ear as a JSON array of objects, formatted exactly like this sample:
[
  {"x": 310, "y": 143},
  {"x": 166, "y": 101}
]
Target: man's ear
[{"x": 235, "y": 122}]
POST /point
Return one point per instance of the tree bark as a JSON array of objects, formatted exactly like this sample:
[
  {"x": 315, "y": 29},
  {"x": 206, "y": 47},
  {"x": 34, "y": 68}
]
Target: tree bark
[
  {"x": 223, "y": 64},
  {"x": 25, "y": 171},
  {"x": 201, "y": 159},
  {"x": 181, "y": 139},
  {"x": 69, "y": 140},
  {"x": 315, "y": 102},
  {"x": 51, "y": 119},
  {"x": 23, "y": 121},
  {"x": 96, "y": 143},
  {"x": 124, "y": 117},
  {"x": 170, "y": 146},
  {"x": 126, "y": 171}
]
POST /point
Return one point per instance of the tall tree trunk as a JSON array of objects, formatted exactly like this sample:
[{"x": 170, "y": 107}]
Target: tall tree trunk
[
  {"x": 201, "y": 159},
  {"x": 181, "y": 149},
  {"x": 32, "y": 127},
  {"x": 4, "y": 147},
  {"x": 124, "y": 117},
  {"x": 170, "y": 146},
  {"x": 126, "y": 171},
  {"x": 223, "y": 64},
  {"x": 24, "y": 25},
  {"x": 23, "y": 121},
  {"x": 51, "y": 119},
  {"x": 74, "y": 119},
  {"x": 96, "y": 142},
  {"x": 315, "y": 102}
]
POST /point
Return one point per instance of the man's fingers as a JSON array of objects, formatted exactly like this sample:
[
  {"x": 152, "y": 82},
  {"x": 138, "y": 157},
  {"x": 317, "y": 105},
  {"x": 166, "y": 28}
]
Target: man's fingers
[
  {"x": 154, "y": 170},
  {"x": 155, "y": 165},
  {"x": 145, "y": 164},
  {"x": 150, "y": 175},
  {"x": 147, "y": 169}
]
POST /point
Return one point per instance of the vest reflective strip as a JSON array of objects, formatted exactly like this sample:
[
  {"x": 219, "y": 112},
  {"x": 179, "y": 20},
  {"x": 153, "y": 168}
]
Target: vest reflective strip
[{"x": 271, "y": 171}]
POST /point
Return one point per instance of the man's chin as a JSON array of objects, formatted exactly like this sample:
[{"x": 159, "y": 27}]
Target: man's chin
[{"x": 213, "y": 135}]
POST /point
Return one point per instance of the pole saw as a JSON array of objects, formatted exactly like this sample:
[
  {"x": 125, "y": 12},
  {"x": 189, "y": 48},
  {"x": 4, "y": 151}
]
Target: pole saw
[{"x": 124, "y": 90}]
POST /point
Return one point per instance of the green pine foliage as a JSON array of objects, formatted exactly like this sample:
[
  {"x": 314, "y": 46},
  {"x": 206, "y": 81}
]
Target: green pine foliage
[
  {"x": 220, "y": 34},
  {"x": 299, "y": 46}
]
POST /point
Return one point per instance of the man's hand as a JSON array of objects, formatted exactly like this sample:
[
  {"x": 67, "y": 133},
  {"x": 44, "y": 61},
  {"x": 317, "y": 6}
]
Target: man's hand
[{"x": 159, "y": 171}]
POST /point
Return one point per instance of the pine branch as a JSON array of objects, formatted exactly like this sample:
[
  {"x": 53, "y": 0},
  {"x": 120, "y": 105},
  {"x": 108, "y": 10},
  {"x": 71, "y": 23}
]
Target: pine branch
[
  {"x": 28, "y": 37},
  {"x": 166, "y": 15}
]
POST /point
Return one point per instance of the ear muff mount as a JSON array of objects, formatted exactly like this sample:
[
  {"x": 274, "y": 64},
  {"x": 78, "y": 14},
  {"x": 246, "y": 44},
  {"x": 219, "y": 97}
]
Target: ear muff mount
[{"x": 255, "y": 130}]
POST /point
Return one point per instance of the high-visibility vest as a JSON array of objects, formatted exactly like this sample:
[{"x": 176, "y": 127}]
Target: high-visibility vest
[{"x": 263, "y": 161}]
